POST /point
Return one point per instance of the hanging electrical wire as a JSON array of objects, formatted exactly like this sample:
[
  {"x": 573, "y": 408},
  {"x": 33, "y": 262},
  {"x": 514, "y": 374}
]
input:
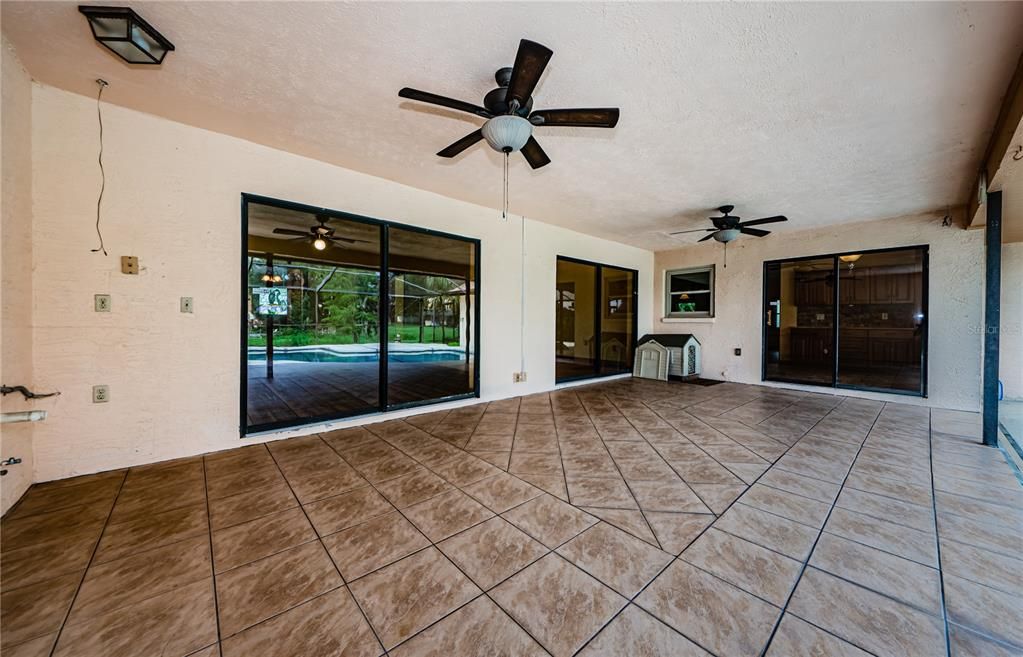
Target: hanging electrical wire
[{"x": 103, "y": 175}]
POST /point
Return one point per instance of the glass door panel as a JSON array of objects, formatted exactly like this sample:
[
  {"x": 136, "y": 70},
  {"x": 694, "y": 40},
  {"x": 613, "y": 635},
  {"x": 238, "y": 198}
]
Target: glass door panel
[
  {"x": 881, "y": 320},
  {"x": 617, "y": 326},
  {"x": 575, "y": 312},
  {"x": 313, "y": 328},
  {"x": 431, "y": 297},
  {"x": 800, "y": 321}
]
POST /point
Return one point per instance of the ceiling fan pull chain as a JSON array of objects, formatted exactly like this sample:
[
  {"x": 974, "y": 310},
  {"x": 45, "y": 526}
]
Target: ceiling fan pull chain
[
  {"x": 726, "y": 255},
  {"x": 504, "y": 204}
]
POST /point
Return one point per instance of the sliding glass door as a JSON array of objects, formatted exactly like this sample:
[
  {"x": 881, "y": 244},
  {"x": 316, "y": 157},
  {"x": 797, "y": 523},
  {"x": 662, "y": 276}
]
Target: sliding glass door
[
  {"x": 346, "y": 315},
  {"x": 595, "y": 319},
  {"x": 851, "y": 320},
  {"x": 430, "y": 318}
]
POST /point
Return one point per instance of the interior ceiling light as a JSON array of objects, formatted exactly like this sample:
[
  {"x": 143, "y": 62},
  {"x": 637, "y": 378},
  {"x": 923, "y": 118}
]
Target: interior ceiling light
[
  {"x": 850, "y": 258},
  {"x": 507, "y": 133},
  {"x": 319, "y": 244},
  {"x": 126, "y": 34}
]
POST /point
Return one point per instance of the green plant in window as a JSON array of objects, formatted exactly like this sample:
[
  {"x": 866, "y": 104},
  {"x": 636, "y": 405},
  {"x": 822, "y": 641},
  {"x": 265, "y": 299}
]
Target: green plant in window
[{"x": 687, "y": 306}]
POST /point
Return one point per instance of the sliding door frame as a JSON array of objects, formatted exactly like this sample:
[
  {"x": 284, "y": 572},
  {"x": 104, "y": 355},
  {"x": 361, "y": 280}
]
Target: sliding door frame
[
  {"x": 836, "y": 269},
  {"x": 598, "y": 317},
  {"x": 472, "y": 310}
]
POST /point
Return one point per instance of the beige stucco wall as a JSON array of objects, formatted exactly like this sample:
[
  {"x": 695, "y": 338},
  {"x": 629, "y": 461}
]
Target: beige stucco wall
[
  {"x": 16, "y": 266},
  {"x": 173, "y": 199},
  {"x": 955, "y": 295}
]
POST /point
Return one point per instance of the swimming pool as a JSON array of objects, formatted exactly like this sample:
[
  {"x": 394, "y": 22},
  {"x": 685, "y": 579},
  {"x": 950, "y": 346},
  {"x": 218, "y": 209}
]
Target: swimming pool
[{"x": 326, "y": 356}]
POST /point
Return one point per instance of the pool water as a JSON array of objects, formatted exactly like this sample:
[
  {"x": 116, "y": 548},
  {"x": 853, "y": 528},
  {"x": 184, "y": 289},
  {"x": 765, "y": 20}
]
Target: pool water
[{"x": 324, "y": 356}]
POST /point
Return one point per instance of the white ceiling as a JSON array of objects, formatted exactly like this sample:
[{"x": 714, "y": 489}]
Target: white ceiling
[{"x": 826, "y": 112}]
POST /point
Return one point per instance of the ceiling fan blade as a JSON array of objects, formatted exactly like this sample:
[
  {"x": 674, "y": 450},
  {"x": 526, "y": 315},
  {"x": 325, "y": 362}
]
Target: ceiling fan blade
[
  {"x": 602, "y": 117},
  {"x": 534, "y": 154},
  {"x": 530, "y": 62},
  {"x": 704, "y": 239},
  {"x": 695, "y": 230},
  {"x": 289, "y": 231},
  {"x": 444, "y": 101},
  {"x": 348, "y": 240},
  {"x": 462, "y": 144},
  {"x": 753, "y": 231},
  {"x": 765, "y": 220}
]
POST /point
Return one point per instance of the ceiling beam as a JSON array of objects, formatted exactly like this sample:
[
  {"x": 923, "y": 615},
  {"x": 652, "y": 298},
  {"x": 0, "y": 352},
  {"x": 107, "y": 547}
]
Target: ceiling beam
[{"x": 1009, "y": 115}]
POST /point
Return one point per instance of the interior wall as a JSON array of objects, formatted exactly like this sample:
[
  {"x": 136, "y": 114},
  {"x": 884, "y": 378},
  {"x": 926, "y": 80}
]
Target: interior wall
[
  {"x": 173, "y": 199},
  {"x": 956, "y": 296},
  {"x": 1010, "y": 348},
  {"x": 16, "y": 266}
]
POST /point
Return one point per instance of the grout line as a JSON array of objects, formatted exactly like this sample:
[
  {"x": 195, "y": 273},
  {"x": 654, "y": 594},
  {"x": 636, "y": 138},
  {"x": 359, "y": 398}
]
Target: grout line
[
  {"x": 806, "y": 563},
  {"x": 209, "y": 536},
  {"x": 447, "y": 558},
  {"x": 344, "y": 583},
  {"x": 603, "y": 442},
  {"x": 95, "y": 549},
  {"x": 937, "y": 538}
]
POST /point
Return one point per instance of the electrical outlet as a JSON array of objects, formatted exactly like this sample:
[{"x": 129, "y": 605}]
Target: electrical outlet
[
  {"x": 519, "y": 377},
  {"x": 129, "y": 265},
  {"x": 102, "y": 302},
  {"x": 884, "y": 315},
  {"x": 100, "y": 394},
  {"x": 186, "y": 304},
  {"x": 738, "y": 351}
]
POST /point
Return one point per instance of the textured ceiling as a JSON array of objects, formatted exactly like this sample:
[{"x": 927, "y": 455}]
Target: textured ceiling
[{"x": 826, "y": 112}]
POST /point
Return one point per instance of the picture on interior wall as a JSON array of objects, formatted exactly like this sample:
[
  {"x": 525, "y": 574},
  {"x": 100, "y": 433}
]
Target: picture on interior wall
[
  {"x": 852, "y": 320},
  {"x": 346, "y": 315}
]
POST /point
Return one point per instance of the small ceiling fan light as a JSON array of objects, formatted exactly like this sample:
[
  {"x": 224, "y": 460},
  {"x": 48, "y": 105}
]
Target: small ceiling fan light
[
  {"x": 850, "y": 258},
  {"x": 319, "y": 244},
  {"x": 507, "y": 133},
  {"x": 726, "y": 235},
  {"x": 126, "y": 34}
]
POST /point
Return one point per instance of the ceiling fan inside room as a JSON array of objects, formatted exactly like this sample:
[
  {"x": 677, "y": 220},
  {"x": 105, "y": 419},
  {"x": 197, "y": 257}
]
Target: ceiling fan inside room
[
  {"x": 508, "y": 109},
  {"x": 727, "y": 227},
  {"x": 321, "y": 235}
]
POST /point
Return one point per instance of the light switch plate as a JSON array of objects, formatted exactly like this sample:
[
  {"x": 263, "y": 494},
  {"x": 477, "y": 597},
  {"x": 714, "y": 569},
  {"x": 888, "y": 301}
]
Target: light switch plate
[
  {"x": 100, "y": 394},
  {"x": 186, "y": 304},
  {"x": 102, "y": 303}
]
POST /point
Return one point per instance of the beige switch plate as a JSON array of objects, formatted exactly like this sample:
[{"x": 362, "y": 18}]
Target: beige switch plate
[{"x": 129, "y": 265}]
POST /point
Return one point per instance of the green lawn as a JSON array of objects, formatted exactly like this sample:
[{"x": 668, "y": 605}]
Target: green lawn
[{"x": 289, "y": 337}]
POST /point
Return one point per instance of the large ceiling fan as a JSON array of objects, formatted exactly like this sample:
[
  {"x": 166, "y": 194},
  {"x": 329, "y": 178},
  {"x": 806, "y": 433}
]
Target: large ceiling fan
[
  {"x": 727, "y": 227},
  {"x": 509, "y": 109},
  {"x": 321, "y": 235}
]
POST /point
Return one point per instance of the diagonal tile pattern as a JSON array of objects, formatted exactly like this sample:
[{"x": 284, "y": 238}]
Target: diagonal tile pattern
[{"x": 630, "y": 517}]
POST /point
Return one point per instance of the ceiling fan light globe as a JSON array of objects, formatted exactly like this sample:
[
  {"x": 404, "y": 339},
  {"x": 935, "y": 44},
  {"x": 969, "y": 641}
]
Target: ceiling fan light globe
[
  {"x": 507, "y": 133},
  {"x": 319, "y": 244},
  {"x": 726, "y": 235}
]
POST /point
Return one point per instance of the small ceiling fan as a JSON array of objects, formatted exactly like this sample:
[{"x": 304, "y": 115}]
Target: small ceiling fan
[
  {"x": 321, "y": 234},
  {"x": 727, "y": 228},
  {"x": 508, "y": 109}
]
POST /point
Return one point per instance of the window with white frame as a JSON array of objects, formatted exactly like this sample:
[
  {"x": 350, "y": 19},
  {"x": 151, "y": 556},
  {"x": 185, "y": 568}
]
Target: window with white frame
[{"x": 689, "y": 292}]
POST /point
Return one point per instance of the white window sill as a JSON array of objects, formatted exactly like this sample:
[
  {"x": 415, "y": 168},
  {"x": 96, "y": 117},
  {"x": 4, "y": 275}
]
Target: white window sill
[{"x": 688, "y": 320}]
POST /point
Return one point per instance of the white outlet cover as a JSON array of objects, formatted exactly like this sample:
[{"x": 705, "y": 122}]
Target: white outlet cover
[
  {"x": 100, "y": 394},
  {"x": 186, "y": 304},
  {"x": 102, "y": 303}
]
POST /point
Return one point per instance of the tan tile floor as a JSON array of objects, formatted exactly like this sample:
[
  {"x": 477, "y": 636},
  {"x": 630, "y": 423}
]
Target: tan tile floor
[{"x": 627, "y": 518}]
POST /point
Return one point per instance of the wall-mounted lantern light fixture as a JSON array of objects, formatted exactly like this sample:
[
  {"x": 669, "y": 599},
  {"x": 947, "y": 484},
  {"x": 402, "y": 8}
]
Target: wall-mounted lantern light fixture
[{"x": 125, "y": 33}]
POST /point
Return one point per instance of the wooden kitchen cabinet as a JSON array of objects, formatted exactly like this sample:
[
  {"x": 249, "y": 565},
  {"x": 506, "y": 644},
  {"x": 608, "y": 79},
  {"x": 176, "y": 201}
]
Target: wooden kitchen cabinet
[
  {"x": 810, "y": 345},
  {"x": 854, "y": 286},
  {"x": 887, "y": 287},
  {"x": 814, "y": 289}
]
